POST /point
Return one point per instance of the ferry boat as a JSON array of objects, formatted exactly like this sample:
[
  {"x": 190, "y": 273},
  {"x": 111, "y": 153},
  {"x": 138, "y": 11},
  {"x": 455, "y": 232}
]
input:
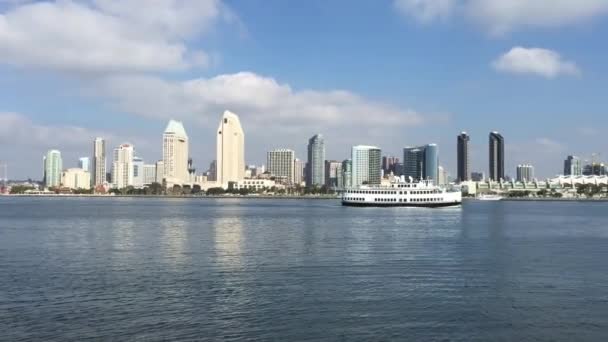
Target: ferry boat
[{"x": 402, "y": 194}]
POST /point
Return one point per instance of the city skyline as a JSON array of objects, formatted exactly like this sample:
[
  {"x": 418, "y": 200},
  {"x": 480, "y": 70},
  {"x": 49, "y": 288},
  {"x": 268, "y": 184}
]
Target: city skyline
[{"x": 479, "y": 71}]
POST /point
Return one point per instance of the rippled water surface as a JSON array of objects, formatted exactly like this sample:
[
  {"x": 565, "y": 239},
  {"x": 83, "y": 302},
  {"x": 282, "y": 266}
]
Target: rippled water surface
[{"x": 290, "y": 270}]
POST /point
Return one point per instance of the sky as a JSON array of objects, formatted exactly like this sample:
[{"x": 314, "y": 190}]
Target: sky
[{"x": 389, "y": 73}]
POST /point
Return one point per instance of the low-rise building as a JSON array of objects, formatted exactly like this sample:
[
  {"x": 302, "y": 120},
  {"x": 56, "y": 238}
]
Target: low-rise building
[{"x": 76, "y": 179}]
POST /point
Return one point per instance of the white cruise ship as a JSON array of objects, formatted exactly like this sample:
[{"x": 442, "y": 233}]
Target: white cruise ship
[{"x": 402, "y": 194}]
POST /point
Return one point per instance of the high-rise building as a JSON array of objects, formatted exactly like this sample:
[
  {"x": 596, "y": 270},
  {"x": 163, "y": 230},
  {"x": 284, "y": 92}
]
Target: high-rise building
[
  {"x": 347, "y": 167},
  {"x": 175, "y": 153},
  {"x": 76, "y": 178},
  {"x": 477, "y": 176},
  {"x": 281, "y": 164},
  {"x": 333, "y": 173},
  {"x": 212, "y": 173},
  {"x": 572, "y": 166},
  {"x": 497, "y": 156},
  {"x": 138, "y": 172},
  {"x": 99, "y": 162},
  {"x": 366, "y": 165},
  {"x": 122, "y": 166},
  {"x": 53, "y": 165},
  {"x": 83, "y": 163},
  {"x": 300, "y": 171},
  {"x": 421, "y": 162},
  {"x": 315, "y": 169},
  {"x": 442, "y": 176},
  {"x": 149, "y": 174},
  {"x": 160, "y": 171},
  {"x": 463, "y": 173},
  {"x": 525, "y": 173},
  {"x": 230, "y": 150},
  {"x": 595, "y": 169},
  {"x": 388, "y": 164}
]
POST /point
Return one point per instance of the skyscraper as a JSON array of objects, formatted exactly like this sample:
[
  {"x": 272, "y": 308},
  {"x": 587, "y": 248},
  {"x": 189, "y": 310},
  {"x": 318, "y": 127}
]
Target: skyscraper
[
  {"x": 315, "y": 170},
  {"x": 149, "y": 174},
  {"x": 175, "y": 153},
  {"x": 366, "y": 165},
  {"x": 138, "y": 172},
  {"x": 99, "y": 162},
  {"x": 333, "y": 172},
  {"x": 83, "y": 163},
  {"x": 388, "y": 164},
  {"x": 281, "y": 164},
  {"x": 421, "y": 162},
  {"x": 463, "y": 157},
  {"x": 230, "y": 150},
  {"x": 497, "y": 156},
  {"x": 53, "y": 166},
  {"x": 122, "y": 166},
  {"x": 572, "y": 166},
  {"x": 525, "y": 173},
  {"x": 347, "y": 166},
  {"x": 300, "y": 171}
]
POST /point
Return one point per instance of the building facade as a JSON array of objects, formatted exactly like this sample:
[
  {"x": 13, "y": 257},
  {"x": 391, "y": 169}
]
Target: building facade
[
  {"x": 230, "y": 162},
  {"x": 281, "y": 163},
  {"x": 389, "y": 165},
  {"x": 138, "y": 172},
  {"x": 160, "y": 171},
  {"x": 496, "y": 156},
  {"x": 333, "y": 173},
  {"x": 122, "y": 166},
  {"x": 315, "y": 168},
  {"x": 175, "y": 153},
  {"x": 299, "y": 171},
  {"x": 75, "y": 179},
  {"x": 462, "y": 150},
  {"x": 366, "y": 165},
  {"x": 53, "y": 164},
  {"x": 84, "y": 163},
  {"x": 149, "y": 174},
  {"x": 421, "y": 162},
  {"x": 347, "y": 167},
  {"x": 573, "y": 166},
  {"x": 98, "y": 166},
  {"x": 525, "y": 173}
]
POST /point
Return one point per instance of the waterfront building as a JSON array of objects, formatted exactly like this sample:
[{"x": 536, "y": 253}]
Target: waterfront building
[
  {"x": 281, "y": 163},
  {"x": 175, "y": 153},
  {"x": 257, "y": 184},
  {"x": 122, "y": 166},
  {"x": 346, "y": 174},
  {"x": 138, "y": 172},
  {"x": 76, "y": 178},
  {"x": 212, "y": 173},
  {"x": 149, "y": 174},
  {"x": 477, "y": 176},
  {"x": 497, "y": 156},
  {"x": 230, "y": 165},
  {"x": 84, "y": 163},
  {"x": 333, "y": 172},
  {"x": 160, "y": 171},
  {"x": 366, "y": 165},
  {"x": 525, "y": 173},
  {"x": 299, "y": 171},
  {"x": 388, "y": 164},
  {"x": 442, "y": 176},
  {"x": 421, "y": 162},
  {"x": 53, "y": 165},
  {"x": 594, "y": 169},
  {"x": 99, "y": 162},
  {"x": 463, "y": 173},
  {"x": 315, "y": 170},
  {"x": 572, "y": 166}
]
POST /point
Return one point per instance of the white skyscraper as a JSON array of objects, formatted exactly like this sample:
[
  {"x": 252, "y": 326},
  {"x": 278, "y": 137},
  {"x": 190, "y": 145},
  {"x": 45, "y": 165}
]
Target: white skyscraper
[
  {"x": 281, "y": 164},
  {"x": 230, "y": 150},
  {"x": 52, "y": 169},
  {"x": 149, "y": 174},
  {"x": 99, "y": 162},
  {"x": 366, "y": 165},
  {"x": 138, "y": 172},
  {"x": 122, "y": 166},
  {"x": 175, "y": 153},
  {"x": 299, "y": 171}
]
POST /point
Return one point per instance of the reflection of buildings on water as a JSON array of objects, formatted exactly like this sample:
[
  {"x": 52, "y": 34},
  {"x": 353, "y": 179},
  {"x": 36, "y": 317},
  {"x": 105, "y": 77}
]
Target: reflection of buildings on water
[
  {"x": 123, "y": 241},
  {"x": 174, "y": 239},
  {"x": 228, "y": 241}
]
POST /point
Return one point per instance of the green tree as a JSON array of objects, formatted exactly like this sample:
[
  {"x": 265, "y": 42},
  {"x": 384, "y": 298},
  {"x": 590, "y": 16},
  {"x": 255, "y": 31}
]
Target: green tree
[
  {"x": 196, "y": 189},
  {"x": 215, "y": 191},
  {"x": 20, "y": 189}
]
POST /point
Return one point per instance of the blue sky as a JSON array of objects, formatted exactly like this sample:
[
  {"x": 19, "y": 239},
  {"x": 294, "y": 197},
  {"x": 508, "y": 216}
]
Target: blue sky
[{"x": 387, "y": 73}]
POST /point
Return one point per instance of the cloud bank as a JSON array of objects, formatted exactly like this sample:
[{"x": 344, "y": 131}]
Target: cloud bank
[{"x": 535, "y": 61}]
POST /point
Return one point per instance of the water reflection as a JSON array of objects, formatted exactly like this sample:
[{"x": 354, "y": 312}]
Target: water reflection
[
  {"x": 123, "y": 241},
  {"x": 228, "y": 241},
  {"x": 174, "y": 235}
]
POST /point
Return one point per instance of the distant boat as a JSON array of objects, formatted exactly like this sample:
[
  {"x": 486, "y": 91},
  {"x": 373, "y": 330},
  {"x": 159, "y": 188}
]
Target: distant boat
[{"x": 489, "y": 197}]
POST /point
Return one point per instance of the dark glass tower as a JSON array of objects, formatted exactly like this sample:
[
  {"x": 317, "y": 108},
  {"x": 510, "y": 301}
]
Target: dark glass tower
[
  {"x": 497, "y": 156},
  {"x": 463, "y": 157},
  {"x": 315, "y": 171}
]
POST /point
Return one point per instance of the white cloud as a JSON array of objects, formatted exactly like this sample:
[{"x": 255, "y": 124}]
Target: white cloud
[
  {"x": 106, "y": 35},
  {"x": 543, "y": 62},
  {"x": 426, "y": 10},
  {"x": 502, "y": 16},
  {"x": 261, "y": 100},
  {"x": 549, "y": 145}
]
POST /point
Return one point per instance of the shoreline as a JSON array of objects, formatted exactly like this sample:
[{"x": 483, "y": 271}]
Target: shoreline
[{"x": 317, "y": 197}]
